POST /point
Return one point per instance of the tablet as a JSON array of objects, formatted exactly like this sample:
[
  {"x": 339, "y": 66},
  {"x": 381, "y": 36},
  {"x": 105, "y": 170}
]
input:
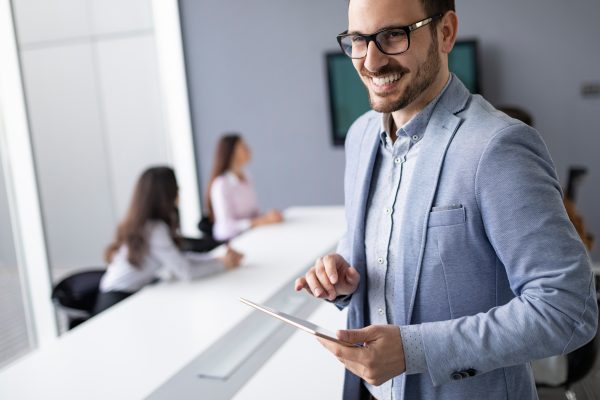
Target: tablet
[{"x": 299, "y": 323}]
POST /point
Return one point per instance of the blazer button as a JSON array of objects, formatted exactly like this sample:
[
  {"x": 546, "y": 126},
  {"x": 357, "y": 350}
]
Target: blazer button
[
  {"x": 457, "y": 376},
  {"x": 471, "y": 372}
]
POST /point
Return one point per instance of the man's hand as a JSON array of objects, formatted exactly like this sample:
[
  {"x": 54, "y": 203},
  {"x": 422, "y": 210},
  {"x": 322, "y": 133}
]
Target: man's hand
[
  {"x": 381, "y": 357},
  {"x": 330, "y": 277}
]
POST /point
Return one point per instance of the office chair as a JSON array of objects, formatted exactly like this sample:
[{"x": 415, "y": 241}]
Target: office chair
[
  {"x": 205, "y": 225},
  {"x": 75, "y": 295},
  {"x": 206, "y": 243}
]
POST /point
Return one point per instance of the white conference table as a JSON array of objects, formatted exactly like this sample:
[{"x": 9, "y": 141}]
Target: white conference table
[
  {"x": 302, "y": 368},
  {"x": 136, "y": 349}
]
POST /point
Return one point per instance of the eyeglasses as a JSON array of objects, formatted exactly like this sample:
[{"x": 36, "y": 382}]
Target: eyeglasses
[{"x": 390, "y": 41}]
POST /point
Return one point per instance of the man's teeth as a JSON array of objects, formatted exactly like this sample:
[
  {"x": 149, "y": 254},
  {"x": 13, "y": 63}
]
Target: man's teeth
[{"x": 384, "y": 80}]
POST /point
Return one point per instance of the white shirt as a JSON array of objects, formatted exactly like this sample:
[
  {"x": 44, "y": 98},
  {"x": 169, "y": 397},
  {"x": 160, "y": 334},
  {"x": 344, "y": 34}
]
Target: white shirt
[{"x": 164, "y": 261}]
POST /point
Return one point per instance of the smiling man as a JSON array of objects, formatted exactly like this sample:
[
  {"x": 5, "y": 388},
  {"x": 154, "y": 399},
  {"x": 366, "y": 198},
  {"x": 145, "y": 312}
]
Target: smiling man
[{"x": 459, "y": 264}]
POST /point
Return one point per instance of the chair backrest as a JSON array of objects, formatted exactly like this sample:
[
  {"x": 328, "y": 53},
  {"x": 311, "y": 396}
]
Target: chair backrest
[
  {"x": 206, "y": 226},
  {"x": 79, "y": 290}
]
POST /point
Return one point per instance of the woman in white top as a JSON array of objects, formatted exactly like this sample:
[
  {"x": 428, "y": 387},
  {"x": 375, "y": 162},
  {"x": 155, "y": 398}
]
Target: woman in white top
[
  {"x": 146, "y": 244},
  {"x": 231, "y": 199}
]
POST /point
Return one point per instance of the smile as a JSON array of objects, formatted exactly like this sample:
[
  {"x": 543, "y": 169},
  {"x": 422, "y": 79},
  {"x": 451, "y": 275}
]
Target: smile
[{"x": 385, "y": 80}]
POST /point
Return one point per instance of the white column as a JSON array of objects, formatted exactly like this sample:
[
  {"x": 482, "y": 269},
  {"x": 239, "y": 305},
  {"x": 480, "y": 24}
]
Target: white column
[{"x": 176, "y": 109}]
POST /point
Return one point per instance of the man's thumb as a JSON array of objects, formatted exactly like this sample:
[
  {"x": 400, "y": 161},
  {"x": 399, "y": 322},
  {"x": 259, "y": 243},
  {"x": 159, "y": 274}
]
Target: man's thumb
[
  {"x": 356, "y": 336},
  {"x": 352, "y": 276}
]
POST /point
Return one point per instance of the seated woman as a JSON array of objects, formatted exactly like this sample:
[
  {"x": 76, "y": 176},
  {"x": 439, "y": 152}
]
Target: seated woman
[
  {"x": 147, "y": 243},
  {"x": 230, "y": 198}
]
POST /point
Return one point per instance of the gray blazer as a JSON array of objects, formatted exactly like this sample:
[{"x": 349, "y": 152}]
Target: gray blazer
[{"x": 497, "y": 274}]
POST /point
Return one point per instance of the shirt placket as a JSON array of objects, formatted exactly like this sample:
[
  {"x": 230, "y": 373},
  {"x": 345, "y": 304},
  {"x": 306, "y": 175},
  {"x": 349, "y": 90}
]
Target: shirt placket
[{"x": 398, "y": 157}]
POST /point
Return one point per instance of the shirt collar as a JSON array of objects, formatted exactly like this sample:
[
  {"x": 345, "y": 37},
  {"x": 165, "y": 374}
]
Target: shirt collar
[{"x": 415, "y": 128}]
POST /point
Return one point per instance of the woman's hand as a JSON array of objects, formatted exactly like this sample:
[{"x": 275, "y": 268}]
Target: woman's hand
[
  {"x": 270, "y": 217},
  {"x": 232, "y": 258}
]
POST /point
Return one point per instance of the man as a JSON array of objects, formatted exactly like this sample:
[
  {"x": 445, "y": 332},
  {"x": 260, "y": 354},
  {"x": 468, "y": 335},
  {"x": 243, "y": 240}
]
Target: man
[{"x": 459, "y": 264}]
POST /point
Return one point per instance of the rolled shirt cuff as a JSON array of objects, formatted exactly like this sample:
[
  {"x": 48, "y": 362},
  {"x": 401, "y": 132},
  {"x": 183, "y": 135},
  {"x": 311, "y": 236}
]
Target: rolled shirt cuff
[
  {"x": 414, "y": 353},
  {"x": 341, "y": 302}
]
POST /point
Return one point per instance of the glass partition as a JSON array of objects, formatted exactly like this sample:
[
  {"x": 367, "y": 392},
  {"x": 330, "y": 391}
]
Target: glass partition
[{"x": 15, "y": 337}]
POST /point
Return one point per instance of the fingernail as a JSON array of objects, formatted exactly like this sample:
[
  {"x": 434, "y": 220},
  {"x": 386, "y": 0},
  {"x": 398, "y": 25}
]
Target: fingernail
[
  {"x": 333, "y": 279},
  {"x": 318, "y": 292}
]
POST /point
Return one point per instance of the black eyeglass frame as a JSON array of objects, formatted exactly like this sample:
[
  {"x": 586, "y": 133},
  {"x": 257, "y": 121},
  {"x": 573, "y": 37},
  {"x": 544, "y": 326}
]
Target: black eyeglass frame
[{"x": 373, "y": 37}]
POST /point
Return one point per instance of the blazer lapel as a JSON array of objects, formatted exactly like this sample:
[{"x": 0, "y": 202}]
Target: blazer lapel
[
  {"x": 368, "y": 154},
  {"x": 438, "y": 135}
]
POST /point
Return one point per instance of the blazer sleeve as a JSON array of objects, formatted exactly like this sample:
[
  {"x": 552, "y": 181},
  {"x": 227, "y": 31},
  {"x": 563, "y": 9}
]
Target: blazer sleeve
[
  {"x": 554, "y": 310},
  {"x": 182, "y": 266}
]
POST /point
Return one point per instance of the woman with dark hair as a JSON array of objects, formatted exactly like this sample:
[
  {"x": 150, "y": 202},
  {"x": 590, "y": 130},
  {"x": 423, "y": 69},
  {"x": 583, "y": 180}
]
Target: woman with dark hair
[
  {"x": 146, "y": 246},
  {"x": 230, "y": 198}
]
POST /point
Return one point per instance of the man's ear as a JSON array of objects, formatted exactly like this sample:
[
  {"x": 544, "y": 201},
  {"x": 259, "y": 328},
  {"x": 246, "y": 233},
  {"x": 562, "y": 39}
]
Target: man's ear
[{"x": 447, "y": 30}]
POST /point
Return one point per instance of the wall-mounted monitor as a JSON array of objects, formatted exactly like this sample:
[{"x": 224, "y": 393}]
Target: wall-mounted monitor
[
  {"x": 464, "y": 62},
  {"x": 348, "y": 97}
]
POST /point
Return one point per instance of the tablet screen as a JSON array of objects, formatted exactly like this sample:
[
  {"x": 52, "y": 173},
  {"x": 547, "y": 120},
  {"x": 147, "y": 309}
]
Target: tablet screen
[{"x": 306, "y": 326}]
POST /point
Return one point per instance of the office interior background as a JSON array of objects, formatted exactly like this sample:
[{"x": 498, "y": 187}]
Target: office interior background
[{"x": 94, "y": 91}]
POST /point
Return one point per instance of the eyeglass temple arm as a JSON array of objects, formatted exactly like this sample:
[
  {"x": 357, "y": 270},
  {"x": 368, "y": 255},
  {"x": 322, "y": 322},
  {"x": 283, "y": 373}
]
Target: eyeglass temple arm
[{"x": 419, "y": 24}]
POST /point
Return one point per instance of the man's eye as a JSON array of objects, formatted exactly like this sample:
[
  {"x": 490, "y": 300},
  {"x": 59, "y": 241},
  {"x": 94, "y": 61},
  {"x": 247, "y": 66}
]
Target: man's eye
[
  {"x": 395, "y": 35},
  {"x": 357, "y": 39}
]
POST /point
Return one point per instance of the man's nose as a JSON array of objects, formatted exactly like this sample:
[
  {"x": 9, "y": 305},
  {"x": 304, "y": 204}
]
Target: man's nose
[{"x": 374, "y": 59}]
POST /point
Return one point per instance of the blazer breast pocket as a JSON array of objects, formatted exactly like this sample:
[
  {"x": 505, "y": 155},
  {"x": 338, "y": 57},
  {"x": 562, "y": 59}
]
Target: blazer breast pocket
[{"x": 447, "y": 215}]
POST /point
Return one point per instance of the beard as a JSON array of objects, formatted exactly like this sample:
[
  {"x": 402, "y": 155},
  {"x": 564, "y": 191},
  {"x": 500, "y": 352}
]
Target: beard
[{"x": 425, "y": 77}]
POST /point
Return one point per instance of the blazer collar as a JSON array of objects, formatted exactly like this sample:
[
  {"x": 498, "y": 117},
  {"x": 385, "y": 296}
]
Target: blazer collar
[{"x": 455, "y": 98}]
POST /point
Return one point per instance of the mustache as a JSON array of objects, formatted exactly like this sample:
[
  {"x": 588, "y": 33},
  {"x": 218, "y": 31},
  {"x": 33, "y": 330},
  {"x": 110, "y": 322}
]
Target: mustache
[{"x": 385, "y": 70}]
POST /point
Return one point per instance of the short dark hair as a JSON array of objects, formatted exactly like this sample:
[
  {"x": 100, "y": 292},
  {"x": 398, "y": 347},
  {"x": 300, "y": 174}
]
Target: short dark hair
[{"x": 433, "y": 7}]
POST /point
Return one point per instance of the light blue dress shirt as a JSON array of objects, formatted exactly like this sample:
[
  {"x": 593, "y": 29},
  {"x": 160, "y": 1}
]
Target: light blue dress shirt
[{"x": 393, "y": 170}]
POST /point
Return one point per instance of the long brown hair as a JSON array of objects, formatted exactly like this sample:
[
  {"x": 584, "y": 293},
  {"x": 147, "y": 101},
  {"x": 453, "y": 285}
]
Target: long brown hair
[
  {"x": 153, "y": 200},
  {"x": 222, "y": 163}
]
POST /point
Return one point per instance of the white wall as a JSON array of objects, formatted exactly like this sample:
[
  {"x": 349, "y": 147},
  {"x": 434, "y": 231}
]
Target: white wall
[
  {"x": 245, "y": 75},
  {"x": 92, "y": 86}
]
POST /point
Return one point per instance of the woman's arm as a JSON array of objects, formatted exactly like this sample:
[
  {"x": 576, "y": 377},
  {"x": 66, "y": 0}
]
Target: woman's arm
[{"x": 177, "y": 264}]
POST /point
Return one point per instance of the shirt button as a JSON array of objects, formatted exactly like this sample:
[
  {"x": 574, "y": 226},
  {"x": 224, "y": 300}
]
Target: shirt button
[
  {"x": 380, "y": 311},
  {"x": 380, "y": 260},
  {"x": 397, "y": 160},
  {"x": 388, "y": 211},
  {"x": 415, "y": 137}
]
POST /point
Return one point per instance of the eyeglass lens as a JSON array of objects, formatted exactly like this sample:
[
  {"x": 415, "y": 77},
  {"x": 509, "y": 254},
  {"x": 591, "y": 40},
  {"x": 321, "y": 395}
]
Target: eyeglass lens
[{"x": 392, "y": 41}]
